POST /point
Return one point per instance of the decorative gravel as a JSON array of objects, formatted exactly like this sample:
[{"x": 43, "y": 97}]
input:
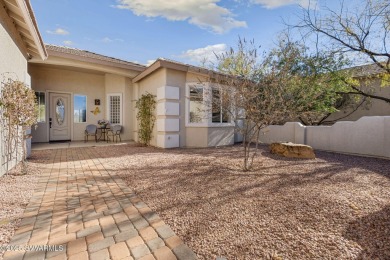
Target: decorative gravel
[
  {"x": 333, "y": 207},
  {"x": 15, "y": 193}
]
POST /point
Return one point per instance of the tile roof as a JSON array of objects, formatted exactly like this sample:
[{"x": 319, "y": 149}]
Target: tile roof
[
  {"x": 92, "y": 55},
  {"x": 163, "y": 62}
]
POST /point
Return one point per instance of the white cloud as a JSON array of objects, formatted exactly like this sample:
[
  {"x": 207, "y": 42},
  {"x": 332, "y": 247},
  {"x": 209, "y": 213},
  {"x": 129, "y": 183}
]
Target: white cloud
[
  {"x": 109, "y": 40},
  {"x": 68, "y": 43},
  {"x": 205, "y": 54},
  {"x": 149, "y": 62},
  {"x": 271, "y": 4},
  {"x": 206, "y": 14},
  {"x": 58, "y": 31}
]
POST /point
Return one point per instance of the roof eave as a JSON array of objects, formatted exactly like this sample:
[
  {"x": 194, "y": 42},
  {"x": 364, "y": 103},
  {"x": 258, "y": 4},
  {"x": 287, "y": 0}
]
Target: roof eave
[
  {"x": 160, "y": 63},
  {"x": 28, "y": 15}
]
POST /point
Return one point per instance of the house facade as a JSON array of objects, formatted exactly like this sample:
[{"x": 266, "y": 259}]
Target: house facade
[
  {"x": 173, "y": 83},
  {"x": 370, "y": 80},
  {"x": 88, "y": 87},
  {"x": 85, "y": 87}
]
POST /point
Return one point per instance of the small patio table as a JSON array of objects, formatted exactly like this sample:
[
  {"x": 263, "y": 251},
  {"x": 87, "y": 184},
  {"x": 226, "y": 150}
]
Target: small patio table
[{"x": 103, "y": 133}]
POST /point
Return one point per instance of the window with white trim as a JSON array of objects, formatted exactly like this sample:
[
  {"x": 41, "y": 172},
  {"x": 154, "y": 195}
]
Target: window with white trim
[
  {"x": 196, "y": 104},
  {"x": 205, "y": 105},
  {"x": 80, "y": 109},
  {"x": 114, "y": 108},
  {"x": 218, "y": 113}
]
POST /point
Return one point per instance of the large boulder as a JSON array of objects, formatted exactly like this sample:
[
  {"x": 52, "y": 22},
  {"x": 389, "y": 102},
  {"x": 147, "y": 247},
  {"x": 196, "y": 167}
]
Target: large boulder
[{"x": 292, "y": 150}]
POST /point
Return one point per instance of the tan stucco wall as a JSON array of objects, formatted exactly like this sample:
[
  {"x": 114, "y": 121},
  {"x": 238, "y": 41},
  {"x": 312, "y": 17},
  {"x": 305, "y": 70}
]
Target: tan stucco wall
[
  {"x": 120, "y": 84},
  {"x": 193, "y": 77},
  {"x": 150, "y": 84},
  {"x": 48, "y": 79},
  {"x": 14, "y": 64},
  {"x": 178, "y": 79},
  {"x": 196, "y": 137},
  {"x": 12, "y": 59},
  {"x": 189, "y": 136},
  {"x": 377, "y": 107}
]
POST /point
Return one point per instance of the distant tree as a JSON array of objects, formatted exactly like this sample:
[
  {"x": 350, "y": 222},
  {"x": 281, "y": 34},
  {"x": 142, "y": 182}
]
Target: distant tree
[
  {"x": 362, "y": 30},
  {"x": 276, "y": 87}
]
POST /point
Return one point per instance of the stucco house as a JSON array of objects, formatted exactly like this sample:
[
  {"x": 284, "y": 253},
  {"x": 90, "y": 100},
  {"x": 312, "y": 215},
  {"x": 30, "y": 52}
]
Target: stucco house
[
  {"x": 91, "y": 87},
  {"x": 370, "y": 80},
  {"x": 87, "y": 87}
]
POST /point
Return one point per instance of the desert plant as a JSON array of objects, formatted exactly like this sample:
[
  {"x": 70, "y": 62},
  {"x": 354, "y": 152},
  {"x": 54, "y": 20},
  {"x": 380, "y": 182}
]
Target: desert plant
[{"x": 146, "y": 106}]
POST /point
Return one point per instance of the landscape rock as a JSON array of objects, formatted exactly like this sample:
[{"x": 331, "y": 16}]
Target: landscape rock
[{"x": 291, "y": 150}]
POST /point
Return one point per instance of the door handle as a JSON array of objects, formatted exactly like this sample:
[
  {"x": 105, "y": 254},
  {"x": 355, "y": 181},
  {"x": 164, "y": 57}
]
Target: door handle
[{"x": 50, "y": 121}]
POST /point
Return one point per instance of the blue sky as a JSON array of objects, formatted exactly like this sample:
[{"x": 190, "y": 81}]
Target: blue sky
[{"x": 182, "y": 30}]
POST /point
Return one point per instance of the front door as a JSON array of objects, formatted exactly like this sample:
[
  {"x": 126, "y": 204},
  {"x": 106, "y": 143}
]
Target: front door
[{"x": 60, "y": 117}]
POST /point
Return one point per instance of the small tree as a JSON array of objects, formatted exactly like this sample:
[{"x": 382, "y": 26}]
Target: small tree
[
  {"x": 146, "y": 106},
  {"x": 282, "y": 85},
  {"x": 19, "y": 111}
]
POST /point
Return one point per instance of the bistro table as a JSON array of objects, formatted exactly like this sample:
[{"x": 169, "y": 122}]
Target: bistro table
[{"x": 103, "y": 132}]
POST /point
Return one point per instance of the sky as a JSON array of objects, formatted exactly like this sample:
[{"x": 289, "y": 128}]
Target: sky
[{"x": 141, "y": 31}]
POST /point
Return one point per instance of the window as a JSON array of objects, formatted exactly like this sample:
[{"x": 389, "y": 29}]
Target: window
[
  {"x": 196, "y": 104},
  {"x": 41, "y": 106},
  {"x": 115, "y": 108},
  {"x": 80, "y": 109},
  {"x": 206, "y": 105},
  {"x": 219, "y": 114}
]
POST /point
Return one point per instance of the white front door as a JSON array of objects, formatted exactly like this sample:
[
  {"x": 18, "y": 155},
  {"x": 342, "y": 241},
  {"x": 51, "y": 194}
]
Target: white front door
[{"x": 60, "y": 117}]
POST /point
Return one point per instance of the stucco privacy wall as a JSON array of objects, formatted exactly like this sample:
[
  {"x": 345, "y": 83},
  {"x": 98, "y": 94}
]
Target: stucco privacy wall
[
  {"x": 12, "y": 64},
  {"x": 368, "y": 136},
  {"x": 49, "y": 79}
]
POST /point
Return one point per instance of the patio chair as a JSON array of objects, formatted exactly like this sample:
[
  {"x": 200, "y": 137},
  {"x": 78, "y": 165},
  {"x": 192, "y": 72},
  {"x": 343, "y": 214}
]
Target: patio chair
[
  {"x": 115, "y": 133},
  {"x": 90, "y": 130}
]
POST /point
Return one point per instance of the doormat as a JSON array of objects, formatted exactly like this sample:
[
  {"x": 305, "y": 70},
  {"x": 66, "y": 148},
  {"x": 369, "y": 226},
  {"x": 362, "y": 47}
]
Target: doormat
[{"x": 59, "y": 141}]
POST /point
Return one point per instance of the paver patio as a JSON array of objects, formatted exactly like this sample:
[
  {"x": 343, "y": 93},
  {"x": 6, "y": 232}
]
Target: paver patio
[{"x": 90, "y": 213}]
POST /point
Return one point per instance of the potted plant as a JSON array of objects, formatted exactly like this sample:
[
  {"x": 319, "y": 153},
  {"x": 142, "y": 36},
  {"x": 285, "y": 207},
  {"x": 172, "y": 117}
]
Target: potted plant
[{"x": 103, "y": 123}]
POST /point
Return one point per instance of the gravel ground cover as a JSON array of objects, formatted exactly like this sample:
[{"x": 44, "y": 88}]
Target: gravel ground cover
[
  {"x": 15, "y": 193},
  {"x": 332, "y": 207}
]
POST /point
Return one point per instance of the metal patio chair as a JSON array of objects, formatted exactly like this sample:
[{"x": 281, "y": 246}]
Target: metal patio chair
[
  {"x": 115, "y": 133},
  {"x": 90, "y": 130}
]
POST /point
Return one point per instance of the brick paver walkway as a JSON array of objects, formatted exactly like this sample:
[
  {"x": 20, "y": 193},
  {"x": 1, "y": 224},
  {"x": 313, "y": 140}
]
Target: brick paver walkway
[{"x": 90, "y": 213}]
